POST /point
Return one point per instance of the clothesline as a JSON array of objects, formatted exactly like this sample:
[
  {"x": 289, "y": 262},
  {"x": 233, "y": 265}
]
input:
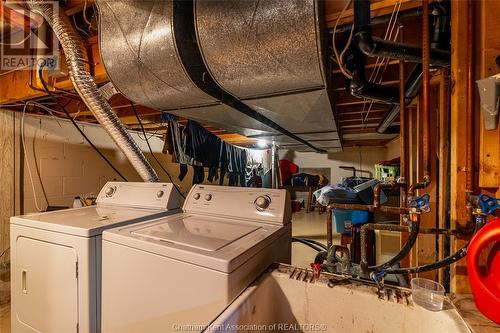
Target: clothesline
[{"x": 196, "y": 146}]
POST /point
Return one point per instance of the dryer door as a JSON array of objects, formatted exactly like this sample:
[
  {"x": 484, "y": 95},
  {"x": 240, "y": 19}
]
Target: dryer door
[{"x": 48, "y": 286}]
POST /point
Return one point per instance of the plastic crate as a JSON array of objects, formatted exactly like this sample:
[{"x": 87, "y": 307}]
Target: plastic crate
[
  {"x": 343, "y": 219},
  {"x": 382, "y": 172}
]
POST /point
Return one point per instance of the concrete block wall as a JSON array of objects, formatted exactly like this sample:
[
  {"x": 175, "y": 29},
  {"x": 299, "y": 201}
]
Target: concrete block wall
[{"x": 67, "y": 166}]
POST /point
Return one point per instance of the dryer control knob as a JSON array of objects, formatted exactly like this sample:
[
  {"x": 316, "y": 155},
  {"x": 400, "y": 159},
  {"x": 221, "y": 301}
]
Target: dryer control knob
[
  {"x": 110, "y": 191},
  {"x": 196, "y": 196},
  {"x": 208, "y": 197},
  {"x": 262, "y": 202},
  {"x": 159, "y": 194}
]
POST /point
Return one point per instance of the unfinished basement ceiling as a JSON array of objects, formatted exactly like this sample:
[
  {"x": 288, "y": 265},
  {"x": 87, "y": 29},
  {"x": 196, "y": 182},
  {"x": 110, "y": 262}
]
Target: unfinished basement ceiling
[{"x": 355, "y": 119}]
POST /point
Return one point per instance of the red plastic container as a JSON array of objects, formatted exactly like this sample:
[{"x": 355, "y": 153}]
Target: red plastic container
[{"x": 485, "y": 280}]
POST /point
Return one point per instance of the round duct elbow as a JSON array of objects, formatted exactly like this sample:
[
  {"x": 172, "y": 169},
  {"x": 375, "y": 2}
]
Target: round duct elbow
[{"x": 78, "y": 65}]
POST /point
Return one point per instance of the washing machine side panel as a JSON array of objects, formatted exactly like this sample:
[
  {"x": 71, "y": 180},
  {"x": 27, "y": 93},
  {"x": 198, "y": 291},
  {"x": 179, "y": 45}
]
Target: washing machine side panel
[
  {"x": 277, "y": 251},
  {"x": 46, "y": 293},
  {"x": 145, "y": 292}
]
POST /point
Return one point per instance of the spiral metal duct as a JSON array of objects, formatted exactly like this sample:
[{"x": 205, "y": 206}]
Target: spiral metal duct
[{"x": 77, "y": 59}]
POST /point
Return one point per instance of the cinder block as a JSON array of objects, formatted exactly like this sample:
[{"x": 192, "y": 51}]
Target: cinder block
[
  {"x": 64, "y": 201},
  {"x": 74, "y": 186},
  {"x": 61, "y": 167},
  {"x": 79, "y": 151},
  {"x": 53, "y": 186},
  {"x": 46, "y": 148}
]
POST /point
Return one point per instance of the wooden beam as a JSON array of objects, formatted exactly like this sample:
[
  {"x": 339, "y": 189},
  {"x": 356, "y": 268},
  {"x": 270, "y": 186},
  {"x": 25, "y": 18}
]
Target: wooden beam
[
  {"x": 23, "y": 84},
  {"x": 443, "y": 156},
  {"x": 458, "y": 127},
  {"x": 489, "y": 49},
  {"x": 380, "y": 8},
  {"x": 369, "y": 142}
]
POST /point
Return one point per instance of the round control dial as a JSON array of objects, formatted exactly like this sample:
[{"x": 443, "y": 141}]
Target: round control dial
[
  {"x": 196, "y": 196},
  {"x": 262, "y": 202},
  {"x": 208, "y": 197},
  {"x": 110, "y": 191}
]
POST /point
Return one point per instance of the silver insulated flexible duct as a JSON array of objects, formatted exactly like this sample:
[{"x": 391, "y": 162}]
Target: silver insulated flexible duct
[{"x": 78, "y": 65}]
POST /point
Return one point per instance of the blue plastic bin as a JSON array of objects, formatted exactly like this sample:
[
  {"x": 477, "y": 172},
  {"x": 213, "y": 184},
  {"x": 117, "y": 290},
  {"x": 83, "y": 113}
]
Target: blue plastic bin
[{"x": 343, "y": 219}]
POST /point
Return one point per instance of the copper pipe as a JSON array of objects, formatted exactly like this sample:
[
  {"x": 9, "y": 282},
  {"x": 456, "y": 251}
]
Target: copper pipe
[
  {"x": 403, "y": 229},
  {"x": 426, "y": 87},
  {"x": 329, "y": 231},
  {"x": 369, "y": 208},
  {"x": 378, "y": 188},
  {"x": 403, "y": 136},
  {"x": 469, "y": 163},
  {"x": 425, "y": 101}
]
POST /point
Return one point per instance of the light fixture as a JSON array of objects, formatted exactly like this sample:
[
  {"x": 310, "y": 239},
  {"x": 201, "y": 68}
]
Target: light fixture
[{"x": 262, "y": 144}]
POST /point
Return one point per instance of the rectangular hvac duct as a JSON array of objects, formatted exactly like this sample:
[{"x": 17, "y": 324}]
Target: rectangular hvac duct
[
  {"x": 269, "y": 55},
  {"x": 266, "y": 54}
]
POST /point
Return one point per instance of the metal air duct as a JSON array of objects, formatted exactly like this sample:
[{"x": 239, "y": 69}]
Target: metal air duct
[{"x": 269, "y": 55}]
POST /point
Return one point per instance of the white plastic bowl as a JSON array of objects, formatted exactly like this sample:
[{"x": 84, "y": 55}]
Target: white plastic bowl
[{"x": 427, "y": 293}]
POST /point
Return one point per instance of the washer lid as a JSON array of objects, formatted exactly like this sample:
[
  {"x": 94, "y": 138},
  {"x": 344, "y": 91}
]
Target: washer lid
[
  {"x": 196, "y": 233},
  {"x": 88, "y": 221},
  {"x": 217, "y": 243}
]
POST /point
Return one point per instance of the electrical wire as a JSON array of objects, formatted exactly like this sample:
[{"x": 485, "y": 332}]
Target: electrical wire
[
  {"x": 4, "y": 252},
  {"x": 80, "y": 29},
  {"x": 18, "y": 43},
  {"x": 85, "y": 14},
  {"x": 379, "y": 60},
  {"x": 153, "y": 155},
  {"x": 23, "y": 141},
  {"x": 45, "y": 87},
  {"x": 338, "y": 56}
]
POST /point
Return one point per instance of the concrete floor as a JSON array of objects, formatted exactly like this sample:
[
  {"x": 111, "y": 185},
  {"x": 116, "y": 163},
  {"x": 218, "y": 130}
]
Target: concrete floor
[
  {"x": 304, "y": 225},
  {"x": 312, "y": 226}
]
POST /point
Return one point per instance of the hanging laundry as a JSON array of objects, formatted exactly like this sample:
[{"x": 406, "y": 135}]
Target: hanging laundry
[
  {"x": 202, "y": 146},
  {"x": 196, "y": 146}
]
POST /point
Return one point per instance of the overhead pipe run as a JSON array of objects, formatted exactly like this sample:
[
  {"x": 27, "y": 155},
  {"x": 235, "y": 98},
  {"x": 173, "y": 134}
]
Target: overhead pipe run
[
  {"x": 412, "y": 87},
  {"x": 367, "y": 45},
  {"x": 414, "y": 81},
  {"x": 377, "y": 47},
  {"x": 78, "y": 65}
]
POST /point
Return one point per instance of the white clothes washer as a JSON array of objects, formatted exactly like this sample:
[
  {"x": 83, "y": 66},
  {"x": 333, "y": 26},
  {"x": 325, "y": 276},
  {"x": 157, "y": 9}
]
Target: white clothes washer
[
  {"x": 178, "y": 272},
  {"x": 56, "y": 256}
]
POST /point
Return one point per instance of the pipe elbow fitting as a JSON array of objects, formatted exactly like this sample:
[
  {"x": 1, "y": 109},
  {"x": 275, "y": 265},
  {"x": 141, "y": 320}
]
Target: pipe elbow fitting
[{"x": 366, "y": 44}]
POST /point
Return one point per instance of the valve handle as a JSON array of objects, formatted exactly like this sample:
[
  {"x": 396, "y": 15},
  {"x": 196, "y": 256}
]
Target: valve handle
[
  {"x": 488, "y": 204},
  {"x": 316, "y": 269},
  {"x": 421, "y": 202}
]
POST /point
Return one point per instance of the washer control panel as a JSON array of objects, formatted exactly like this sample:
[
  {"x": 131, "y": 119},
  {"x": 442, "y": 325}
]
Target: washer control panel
[
  {"x": 260, "y": 204},
  {"x": 140, "y": 195}
]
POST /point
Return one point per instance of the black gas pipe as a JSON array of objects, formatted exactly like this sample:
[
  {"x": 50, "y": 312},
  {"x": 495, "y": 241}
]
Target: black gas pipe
[{"x": 368, "y": 45}]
